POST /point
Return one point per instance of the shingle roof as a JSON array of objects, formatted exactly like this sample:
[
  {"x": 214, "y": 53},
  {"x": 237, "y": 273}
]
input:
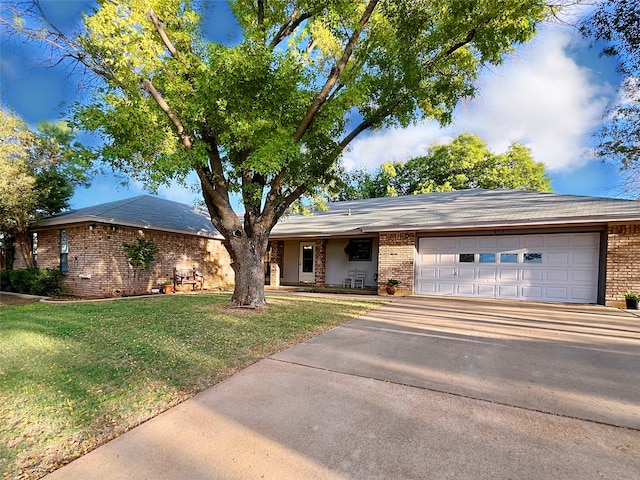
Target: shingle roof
[
  {"x": 144, "y": 211},
  {"x": 460, "y": 209}
]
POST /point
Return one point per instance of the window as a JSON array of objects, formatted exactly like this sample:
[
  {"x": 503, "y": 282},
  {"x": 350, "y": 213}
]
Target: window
[
  {"x": 508, "y": 258},
  {"x": 64, "y": 251},
  {"x": 307, "y": 258},
  {"x": 487, "y": 258},
  {"x": 34, "y": 243},
  {"x": 532, "y": 258},
  {"x": 359, "y": 249},
  {"x": 467, "y": 258}
]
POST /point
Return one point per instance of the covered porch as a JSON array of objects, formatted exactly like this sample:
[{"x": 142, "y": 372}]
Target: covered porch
[{"x": 332, "y": 265}]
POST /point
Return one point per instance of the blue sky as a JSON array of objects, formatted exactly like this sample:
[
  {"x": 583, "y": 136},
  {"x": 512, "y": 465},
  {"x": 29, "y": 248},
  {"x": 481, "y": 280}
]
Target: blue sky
[{"x": 549, "y": 95}]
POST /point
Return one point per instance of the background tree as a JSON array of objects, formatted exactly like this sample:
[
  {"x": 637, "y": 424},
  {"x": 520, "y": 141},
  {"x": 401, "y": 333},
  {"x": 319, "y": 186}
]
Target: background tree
[
  {"x": 38, "y": 173},
  {"x": 464, "y": 163},
  {"x": 617, "y": 23},
  {"x": 268, "y": 116}
]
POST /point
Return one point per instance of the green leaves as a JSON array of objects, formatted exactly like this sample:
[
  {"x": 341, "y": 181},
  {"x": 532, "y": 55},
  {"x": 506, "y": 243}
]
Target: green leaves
[{"x": 464, "y": 163}]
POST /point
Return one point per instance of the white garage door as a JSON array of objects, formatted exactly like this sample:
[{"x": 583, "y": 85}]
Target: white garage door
[{"x": 542, "y": 267}]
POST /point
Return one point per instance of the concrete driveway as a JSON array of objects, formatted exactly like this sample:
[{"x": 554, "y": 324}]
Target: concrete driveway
[{"x": 422, "y": 388}]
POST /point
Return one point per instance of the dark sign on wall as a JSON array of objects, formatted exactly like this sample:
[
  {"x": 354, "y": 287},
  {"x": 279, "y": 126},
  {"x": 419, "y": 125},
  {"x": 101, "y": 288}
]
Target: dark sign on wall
[{"x": 359, "y": 249}]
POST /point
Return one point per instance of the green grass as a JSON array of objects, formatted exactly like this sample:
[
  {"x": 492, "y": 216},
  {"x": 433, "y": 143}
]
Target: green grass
[{"x": 76, "y": 375}]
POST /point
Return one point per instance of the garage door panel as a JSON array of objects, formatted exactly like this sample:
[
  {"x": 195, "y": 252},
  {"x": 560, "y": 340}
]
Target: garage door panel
[
  {"x": 448, "y": 257},
  {"x": 533, "y": 292},
  {"x": 509, "y": 242},
  {"x": 583, "y": 258},
  {"x": 531, "y": 275},
  {"x": 487, "y": 273},
  {"x": 427, "y": 273},
  {"x": 467, "y": 242},
  {"x": 546, "y": 267},
  {"x": 507, "y": 291},
  {"x": 508, "y": 274},
  {"x": 556, "y": 293},
  {"x": 446, "y": 273},
  {"x": 428, "y": 258},
  {"x": 584, "y": 276},
  {"x": 558, "y": 240},
  {"x": 466, "y": 273},
  {"x": 446, "y": 288},
  {"x": 427, "y": 288},
  {"x": 557, "y": 275},
  {"x": 487, "y": 291},
  {"x": 533, "y": 241},
  {"x": 488, "y": 242},
  {"x": 560, "y": 258},
  {"x": 581, "y": 294},
  {"x": 585, "y": 240}
]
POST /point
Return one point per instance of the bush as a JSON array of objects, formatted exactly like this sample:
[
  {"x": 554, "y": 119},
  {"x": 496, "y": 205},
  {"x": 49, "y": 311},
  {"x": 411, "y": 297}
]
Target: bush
[
  {"x": 5, "y": 281},
  {"x": 47, "y": 282},
  {"x": 22, "y": 279},
  {"x": 34, "y": 281}
]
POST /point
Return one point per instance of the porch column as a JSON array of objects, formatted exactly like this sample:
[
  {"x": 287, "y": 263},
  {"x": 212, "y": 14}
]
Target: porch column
[
  {"x": 396, "y": 258},
  {"x": 275, "y": 259},
  {"x": 321, "y": 262}
]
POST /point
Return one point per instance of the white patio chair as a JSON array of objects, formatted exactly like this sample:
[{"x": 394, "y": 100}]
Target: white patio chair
[
  {"x": 349, "y": 280},
  {"x": 358, "y": 282}
]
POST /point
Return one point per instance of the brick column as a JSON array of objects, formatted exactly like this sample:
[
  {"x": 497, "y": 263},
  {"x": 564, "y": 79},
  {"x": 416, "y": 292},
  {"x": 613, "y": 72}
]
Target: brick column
[
  {"x": 396, "y": 259},
  {"x": 277, "y": 251},
  {"x": 623, "y": 262},
  {"x": 321, "y": 262}
]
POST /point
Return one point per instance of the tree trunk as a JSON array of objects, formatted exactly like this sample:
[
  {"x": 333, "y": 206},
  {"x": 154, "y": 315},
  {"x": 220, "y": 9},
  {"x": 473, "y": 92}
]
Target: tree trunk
[
  {"x": 248, "y": 253},
  {"x": 24, "y": 240}
]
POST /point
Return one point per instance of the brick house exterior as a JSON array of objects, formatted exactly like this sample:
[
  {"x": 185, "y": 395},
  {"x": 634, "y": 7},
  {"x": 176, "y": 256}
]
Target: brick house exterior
[
  {"x": 623, "y": 261},
  {"x": 97, "y": 264},
  {"x": 393, "y": 228},
  {"x": 398, "y": 225}
]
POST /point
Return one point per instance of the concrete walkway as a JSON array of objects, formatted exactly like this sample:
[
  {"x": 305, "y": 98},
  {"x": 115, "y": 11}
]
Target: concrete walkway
[{"x": 422, "y": 388}]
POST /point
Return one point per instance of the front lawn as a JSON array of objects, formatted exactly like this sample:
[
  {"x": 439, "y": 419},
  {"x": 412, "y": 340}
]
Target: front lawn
[{"x": 76, "y": 375}]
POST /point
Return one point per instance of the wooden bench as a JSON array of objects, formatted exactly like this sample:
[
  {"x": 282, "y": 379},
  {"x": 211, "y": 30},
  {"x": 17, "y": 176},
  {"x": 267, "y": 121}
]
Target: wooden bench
[{"x": 188, "y": 277}]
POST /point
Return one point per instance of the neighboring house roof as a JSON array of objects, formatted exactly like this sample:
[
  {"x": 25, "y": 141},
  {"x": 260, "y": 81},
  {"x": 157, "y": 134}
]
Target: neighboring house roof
[
  {"x": 145, "y": 211},
  {"x": 475, "y": 208}
]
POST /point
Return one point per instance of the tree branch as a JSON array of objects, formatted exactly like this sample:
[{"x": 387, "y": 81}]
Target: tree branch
[
  {"x": 336, "y": 72},
  {"x": 163, "y": 35},
  {"x": 288, "y": 28},
  {"x": 184, "y": 136}
]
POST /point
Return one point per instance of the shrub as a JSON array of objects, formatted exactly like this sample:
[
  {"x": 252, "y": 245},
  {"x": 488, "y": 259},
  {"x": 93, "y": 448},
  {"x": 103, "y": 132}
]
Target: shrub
[
  {"x": 47, "y": 282},
  {"x": 21, "y": 280},
  {"x": 34, "y": 281},
  {"x": 5, "y": 281}
]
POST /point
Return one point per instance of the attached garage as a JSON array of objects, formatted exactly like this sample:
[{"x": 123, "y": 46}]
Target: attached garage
[{"x": 555, "y": 267}]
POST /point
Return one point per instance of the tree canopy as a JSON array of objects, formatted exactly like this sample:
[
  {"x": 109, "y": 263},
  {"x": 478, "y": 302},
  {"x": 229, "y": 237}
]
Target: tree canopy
[
  {"x": 465, "y": 162},
  {"x": 268, "y": 116},
  {"x": 38, "y": 173},
  {"x": 617, "y": 24}
]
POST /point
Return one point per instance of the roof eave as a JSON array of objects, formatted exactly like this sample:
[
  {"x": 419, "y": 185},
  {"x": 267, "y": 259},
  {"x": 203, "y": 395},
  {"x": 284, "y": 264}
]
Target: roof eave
[
  {"x": 530, "y": 223},
  {"x": 59, "y": 221}
]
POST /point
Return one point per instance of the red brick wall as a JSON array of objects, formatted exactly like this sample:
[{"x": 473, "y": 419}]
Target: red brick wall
[
  {"x": 396, "y": 258},
  {"x": 623, "y": 262},
  {"x": 321, "y": 262},
  {"x": 98, "y": 266}
]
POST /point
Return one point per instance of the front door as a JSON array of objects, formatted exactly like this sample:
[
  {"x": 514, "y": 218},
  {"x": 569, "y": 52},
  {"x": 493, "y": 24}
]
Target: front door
[{"x": 307, "y": 262}]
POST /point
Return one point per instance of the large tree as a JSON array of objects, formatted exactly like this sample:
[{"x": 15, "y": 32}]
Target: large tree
[
  {"x": 465, "y": 162},
  {"x": 38, "y": 173},
  {"x": 266, "y": 117},
  {"x": 617, "y": 24}
]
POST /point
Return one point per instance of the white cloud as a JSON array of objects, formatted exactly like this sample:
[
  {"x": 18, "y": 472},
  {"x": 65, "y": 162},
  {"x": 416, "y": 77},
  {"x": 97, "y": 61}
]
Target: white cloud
[{"x": 540, "y": 97}]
